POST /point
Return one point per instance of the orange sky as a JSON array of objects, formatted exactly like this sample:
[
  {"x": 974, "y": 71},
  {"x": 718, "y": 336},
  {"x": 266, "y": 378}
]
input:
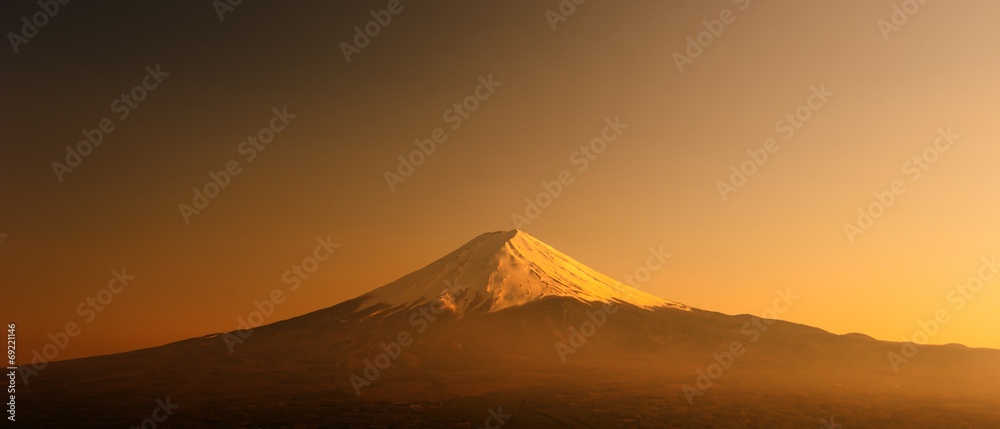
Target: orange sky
[{"x": 655, "y": 184}]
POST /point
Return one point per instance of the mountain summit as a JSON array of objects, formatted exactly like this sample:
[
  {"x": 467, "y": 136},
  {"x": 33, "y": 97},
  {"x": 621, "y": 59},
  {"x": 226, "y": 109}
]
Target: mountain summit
[{"x": 503, "y": 269}]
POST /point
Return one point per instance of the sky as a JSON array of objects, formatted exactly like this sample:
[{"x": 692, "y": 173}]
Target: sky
[{"x": 602, "y": 130}]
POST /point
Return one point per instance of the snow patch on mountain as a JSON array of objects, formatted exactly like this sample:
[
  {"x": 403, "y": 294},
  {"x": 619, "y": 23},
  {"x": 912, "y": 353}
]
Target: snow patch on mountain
[{"x": 499, "y": 270}]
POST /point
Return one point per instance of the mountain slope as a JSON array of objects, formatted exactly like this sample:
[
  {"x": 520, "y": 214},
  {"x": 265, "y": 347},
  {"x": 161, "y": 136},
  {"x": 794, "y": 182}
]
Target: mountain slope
[{"x": 405, "y": 356}]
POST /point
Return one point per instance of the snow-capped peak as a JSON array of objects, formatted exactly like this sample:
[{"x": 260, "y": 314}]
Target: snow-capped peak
[{"x": 503, "y": 269}]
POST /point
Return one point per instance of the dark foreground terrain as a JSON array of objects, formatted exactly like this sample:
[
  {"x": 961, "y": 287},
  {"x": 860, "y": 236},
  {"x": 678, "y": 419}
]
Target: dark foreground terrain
[{"x": 629, "y": 374}]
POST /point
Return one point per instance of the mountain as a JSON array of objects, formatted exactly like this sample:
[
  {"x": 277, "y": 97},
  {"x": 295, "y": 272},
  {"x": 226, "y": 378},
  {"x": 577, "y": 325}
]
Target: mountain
[{"x": 508, "y": 328}]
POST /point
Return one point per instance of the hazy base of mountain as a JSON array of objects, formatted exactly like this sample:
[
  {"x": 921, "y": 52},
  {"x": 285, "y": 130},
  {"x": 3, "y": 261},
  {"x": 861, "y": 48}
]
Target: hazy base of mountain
[{"x": 631, "y": 373}]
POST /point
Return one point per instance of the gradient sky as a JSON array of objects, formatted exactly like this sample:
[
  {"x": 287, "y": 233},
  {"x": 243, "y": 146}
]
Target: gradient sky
[{"x": 655, "y": 185}]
